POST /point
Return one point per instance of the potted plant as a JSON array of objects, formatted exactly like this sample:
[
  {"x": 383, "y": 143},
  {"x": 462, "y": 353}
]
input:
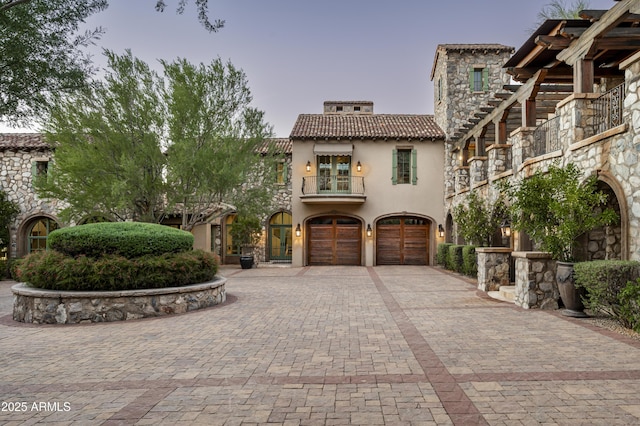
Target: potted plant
[
  {"x": 246, "y": 232},
  {"x": 555, "y": 208}
]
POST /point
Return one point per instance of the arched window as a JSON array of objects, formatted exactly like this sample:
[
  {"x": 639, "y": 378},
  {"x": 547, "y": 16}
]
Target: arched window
[{"x": 38, "y": 233}]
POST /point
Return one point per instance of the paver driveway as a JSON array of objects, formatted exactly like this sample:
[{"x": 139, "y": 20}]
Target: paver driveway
[{"x": 324, "y": 345}]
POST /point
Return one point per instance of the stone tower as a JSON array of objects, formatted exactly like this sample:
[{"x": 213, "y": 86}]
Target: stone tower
[{"x": 465, "y": 76}]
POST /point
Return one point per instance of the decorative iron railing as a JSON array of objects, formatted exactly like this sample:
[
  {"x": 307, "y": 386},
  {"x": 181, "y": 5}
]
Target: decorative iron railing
[
  {"x": 607, "y": 110},
  {"x": 321, "y": 185},
  {"x": 546, "y": 137}
]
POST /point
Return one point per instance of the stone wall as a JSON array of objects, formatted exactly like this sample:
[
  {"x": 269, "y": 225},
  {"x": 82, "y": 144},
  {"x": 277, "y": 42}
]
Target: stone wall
[
  {"x": 493, "y": 267},
  {"x": 536, "y": 286},
  {"x": 39, "y": 306}
]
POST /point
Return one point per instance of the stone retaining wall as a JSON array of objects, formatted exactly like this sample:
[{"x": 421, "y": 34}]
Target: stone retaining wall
[{"x": 41, "y": 306}]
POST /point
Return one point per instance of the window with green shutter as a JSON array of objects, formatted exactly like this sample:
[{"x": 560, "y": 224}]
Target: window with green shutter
[
  {"x": 479, "y": 79},
  {"x": 404, "y": 166}
]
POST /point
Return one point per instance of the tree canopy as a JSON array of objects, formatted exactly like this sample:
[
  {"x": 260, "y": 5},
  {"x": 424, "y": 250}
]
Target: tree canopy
[
  {"x": 139, "y": 145},
  {"x": 40, "y": 53},
  {"x": 560, "y": 9}
]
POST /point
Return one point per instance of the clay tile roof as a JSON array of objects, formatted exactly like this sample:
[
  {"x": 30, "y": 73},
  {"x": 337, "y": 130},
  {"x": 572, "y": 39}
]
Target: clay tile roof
[
  {"x": 280, "y": 145},
  {"x": 29, "y": 141},
  {"x": 376, "y": 126}
]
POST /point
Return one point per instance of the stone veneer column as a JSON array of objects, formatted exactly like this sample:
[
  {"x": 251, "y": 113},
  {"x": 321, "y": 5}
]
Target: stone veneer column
[
  {"x": 477, "y": 170},
  {"x": 536, "y": 286},
  {"x": 522, "y": 141},
  {"x": 499, "y": 159},
  {"x": 462, "y": 178},
  {"x": 493, "y": 267}
]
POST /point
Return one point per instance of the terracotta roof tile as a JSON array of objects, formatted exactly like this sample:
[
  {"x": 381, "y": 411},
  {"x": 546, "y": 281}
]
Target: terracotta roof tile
[
  {"x": 280, "y": 145},
  {"x": 376, "y": 126},
  {"x": 33, "y": 141}
]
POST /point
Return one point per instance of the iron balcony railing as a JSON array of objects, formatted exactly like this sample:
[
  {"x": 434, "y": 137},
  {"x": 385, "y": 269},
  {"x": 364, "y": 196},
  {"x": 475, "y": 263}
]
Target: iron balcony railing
[
  {"x": 344, "y": 185},
  {"x": 607, "y": 110},
  {"x": 546, "y": 137}
]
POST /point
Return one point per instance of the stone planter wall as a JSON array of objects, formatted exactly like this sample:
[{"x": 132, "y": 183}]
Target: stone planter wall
[
  {"x": 40, "y": 306},
  {"x": 536, "y": 286},
  {"x": 493, "y": 267}
]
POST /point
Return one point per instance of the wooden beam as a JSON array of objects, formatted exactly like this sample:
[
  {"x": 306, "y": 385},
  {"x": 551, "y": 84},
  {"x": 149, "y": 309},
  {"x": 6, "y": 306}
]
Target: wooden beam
[
  {"x": 595, "y": 15},
  {"x": 553, "y": 42}
]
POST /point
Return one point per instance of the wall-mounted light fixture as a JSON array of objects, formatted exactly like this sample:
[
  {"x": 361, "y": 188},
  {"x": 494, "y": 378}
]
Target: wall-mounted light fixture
[
  {"x": 441, "y": 231},
  {"x": 308, "y": 166},
  {"x": 369, "y": 231},
  {"x": 359, "y": 167},
  {"x": 298, "y": 231},
  {"x": 505, "y": 228}
]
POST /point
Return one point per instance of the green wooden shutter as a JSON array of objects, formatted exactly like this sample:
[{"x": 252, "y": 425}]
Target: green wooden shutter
[
  {"x": 285, "y": 172},
  {"x": 414, "y": 167},
  {"x": 34, "y": 169},
  {"x": 485, "y": 79},
  {"x": 471, "y": 79},
  {"x": 394, "y": 167}
]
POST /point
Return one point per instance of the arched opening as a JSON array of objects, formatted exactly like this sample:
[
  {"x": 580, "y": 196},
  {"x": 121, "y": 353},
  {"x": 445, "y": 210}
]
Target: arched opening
[
  {"x": 605, "y": 242},
  {"x": 449, "y": 229},
  {"x": 280, "y": 237}
]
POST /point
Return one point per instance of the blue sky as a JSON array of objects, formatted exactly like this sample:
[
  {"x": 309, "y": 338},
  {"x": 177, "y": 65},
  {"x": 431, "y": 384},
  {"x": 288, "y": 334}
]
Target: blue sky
[{"x": 299, "y": 53}]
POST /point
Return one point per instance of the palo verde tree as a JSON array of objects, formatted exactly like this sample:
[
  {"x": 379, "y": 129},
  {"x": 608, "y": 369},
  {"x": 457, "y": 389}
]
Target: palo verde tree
[
  {"x": 108, "y": 158},
  {"x": 215, "y": 136},
  {"x": 139, "y": 145}
]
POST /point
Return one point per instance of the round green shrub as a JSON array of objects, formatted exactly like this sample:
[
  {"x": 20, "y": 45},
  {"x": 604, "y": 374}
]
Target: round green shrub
[
  {"x": 127, "y": 239},
  {"x": 54, "y": 270}
]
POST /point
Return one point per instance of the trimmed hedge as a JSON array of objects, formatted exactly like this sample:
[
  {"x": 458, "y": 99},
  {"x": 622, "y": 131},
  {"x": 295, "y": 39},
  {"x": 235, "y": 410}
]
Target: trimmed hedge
[
  {"x": 54, "y": 270},
  {"x": 454, "y": 258},
  {"x": 442, "y": 253},
  {"x": 469, "y": 261},
  {"x": 610, "y": 286},
  {"x": 126, "y": 239}
]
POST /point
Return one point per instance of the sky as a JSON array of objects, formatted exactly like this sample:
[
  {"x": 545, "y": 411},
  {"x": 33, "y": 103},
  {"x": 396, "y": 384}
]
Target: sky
[{"x": 297, "y": 54}]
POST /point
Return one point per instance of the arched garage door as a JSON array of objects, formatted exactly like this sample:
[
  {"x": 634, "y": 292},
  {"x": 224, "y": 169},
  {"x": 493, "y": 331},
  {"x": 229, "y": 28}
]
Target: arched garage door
[
  {"x": 402, "y": 240},
  {"x": 334, "y": 240}
]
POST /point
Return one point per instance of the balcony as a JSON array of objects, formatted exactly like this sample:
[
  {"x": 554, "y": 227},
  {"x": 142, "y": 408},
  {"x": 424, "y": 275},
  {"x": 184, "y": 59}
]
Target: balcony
[
  {"x": 333, "y": 190},
  {"x": 607, "y": 110},
  {"x": 546, "y": 137}
]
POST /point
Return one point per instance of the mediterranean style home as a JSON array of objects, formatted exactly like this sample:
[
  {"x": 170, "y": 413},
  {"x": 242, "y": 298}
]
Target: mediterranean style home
[{"x": 361, "y": 188}]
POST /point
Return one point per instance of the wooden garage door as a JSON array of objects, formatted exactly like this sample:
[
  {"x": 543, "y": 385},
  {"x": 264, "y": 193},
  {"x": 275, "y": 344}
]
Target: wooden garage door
[
  {"x": 402, "y": 241},
  {"x": 334, "y": 241}
]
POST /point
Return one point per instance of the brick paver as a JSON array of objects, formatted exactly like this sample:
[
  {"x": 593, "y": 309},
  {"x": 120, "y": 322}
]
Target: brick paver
[{"x": 324, "y": 345}]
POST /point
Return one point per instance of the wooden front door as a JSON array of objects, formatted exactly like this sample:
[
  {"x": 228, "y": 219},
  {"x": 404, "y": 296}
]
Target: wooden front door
[{"x": 334, "y": 240}]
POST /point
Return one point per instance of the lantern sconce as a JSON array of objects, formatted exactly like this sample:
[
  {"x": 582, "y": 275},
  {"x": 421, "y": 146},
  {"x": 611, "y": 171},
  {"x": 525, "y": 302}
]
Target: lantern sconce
[
  {"x": 308, "y": 166},
  {"x": 505, "y": 228},
  {"x": 298, "y": 231},
  {"x": 441, "y": 231},
  {"x": 359, "y": 167},
  {"x": 369, "y": 231}
]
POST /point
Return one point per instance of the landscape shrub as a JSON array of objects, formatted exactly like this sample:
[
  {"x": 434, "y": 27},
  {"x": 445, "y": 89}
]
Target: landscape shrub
[
  {"x": 469, "y": 262},
  {"x": 442, "y": 253},
  {"x": 54, "y": 270},
  {"x": 454, "y": 258},
  {"x": 629, "y": 305},
  {"x": 127, "y": 239},
  {"x": 604, "y": 281}
]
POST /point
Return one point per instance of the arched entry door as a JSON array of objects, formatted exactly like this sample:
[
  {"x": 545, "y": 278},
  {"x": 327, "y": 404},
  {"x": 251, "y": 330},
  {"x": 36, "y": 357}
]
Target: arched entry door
[
  {"x": 402, "y": 240},
  {"x": 334, "y": 240},
  {"x": 280, "y": 237}
]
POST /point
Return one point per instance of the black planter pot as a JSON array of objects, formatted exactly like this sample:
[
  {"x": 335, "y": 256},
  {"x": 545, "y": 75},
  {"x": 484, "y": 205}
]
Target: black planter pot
[
  {"x": 570, "y": 295},
  {"x": 246, "y": 262}
]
